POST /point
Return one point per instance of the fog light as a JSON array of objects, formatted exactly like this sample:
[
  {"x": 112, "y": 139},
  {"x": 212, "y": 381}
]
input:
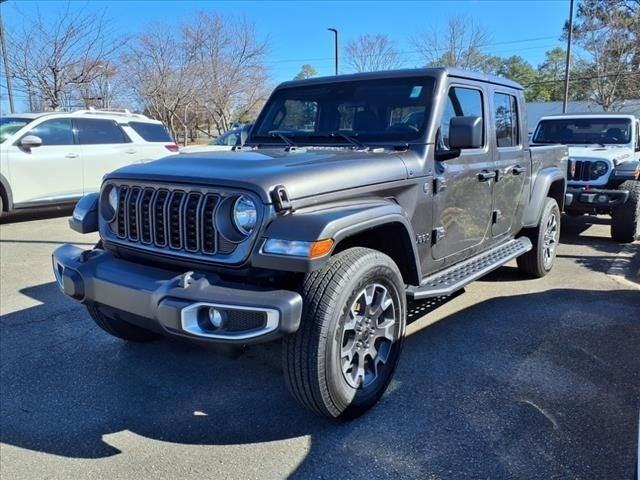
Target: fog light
[
  {"x": 603, "y": 199},
  {"x": 215, "y": 317},
  {"x": 210, "y": 319}
]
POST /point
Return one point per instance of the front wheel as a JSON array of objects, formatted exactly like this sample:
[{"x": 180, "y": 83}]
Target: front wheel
[
  {"x": 625, "y": 218},
  {"x": 341, "y": 360},
  {"x": 539, "y": 261}
]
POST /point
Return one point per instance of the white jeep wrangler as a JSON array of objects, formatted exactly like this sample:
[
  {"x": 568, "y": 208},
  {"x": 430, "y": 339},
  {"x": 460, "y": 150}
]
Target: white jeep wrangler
[{"x": 604, "y": 166}]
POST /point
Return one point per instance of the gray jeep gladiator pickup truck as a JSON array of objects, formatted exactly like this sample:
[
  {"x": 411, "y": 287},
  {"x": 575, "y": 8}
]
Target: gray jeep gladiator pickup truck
[{"x": 350, "y": 195}]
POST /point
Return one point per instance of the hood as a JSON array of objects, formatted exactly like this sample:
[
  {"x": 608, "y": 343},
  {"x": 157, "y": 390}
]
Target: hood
[
  {"x": 303, "y": 172},
  {"x": 613, "y": 154},
  {"x": 205, "y": 148}
]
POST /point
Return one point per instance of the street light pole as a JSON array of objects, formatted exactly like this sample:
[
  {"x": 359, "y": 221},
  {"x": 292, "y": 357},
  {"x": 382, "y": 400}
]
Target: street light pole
[
  {"x": 6, "y": 64},
  {"x": 565, "y": 100},
  {"x": 335, "y": 36}
]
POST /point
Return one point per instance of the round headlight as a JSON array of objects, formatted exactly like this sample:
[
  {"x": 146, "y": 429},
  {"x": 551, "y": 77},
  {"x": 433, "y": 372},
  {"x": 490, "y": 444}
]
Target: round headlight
[
  {"x": 109, "y": 203},
  {"x": 598, "y": 169},
  {"x": 113, "y": 198},
  {"x": 245, "y": 215}
]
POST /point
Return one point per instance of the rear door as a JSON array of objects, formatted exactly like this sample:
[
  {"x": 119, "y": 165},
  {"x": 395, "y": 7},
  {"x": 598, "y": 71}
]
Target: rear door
[
  {"x": 105, "y": 147},
  {"x": 463, "y": 185},
  {"x": 51, "y": 172},
  {"x": 512, "y": 163}
]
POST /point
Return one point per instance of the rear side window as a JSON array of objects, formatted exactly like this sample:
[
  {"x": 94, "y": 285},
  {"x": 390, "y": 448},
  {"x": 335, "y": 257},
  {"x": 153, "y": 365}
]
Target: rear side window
[
  {"x": 506, "y": 113},
  {"x": 58, "y": 131},
  {"x": 99, "y": 132},
  {"x": 151, "y": 132},
  {"x": 461, "y": 102}
]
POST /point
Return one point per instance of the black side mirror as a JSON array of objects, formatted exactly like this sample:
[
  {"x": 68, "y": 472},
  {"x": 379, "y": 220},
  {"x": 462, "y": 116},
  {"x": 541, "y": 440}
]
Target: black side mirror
[{"x": 465, "y": 132}]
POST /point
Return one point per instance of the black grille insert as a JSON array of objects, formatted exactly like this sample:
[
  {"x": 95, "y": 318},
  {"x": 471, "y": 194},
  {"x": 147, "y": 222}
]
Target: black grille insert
[{"x": 179, "y": 220}]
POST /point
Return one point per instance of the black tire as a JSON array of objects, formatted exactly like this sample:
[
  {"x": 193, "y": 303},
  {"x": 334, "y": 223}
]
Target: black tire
[
  {"x": 313, "y": 357},
  {"x": 625, "y": 218},
  {"x": 537, "y": 262},
  {"x": 119, "y": 328}
]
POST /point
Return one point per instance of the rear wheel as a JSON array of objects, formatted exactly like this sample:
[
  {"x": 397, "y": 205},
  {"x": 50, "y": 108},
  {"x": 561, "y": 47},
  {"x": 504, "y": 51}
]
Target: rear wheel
[
  {"x": 341, "y": 360},
  {"x": 545, "y": 237},
  {"x": 119, "y": 328},
  {"x": 625, "y": 218}
]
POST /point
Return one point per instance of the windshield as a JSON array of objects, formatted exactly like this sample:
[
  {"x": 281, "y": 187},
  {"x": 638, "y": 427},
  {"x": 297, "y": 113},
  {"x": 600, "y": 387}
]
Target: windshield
[
  {"x": 229, "y": 138},
  {"x": 10, "y": 125},
  {"x": 381, "y": 110},
  {"x": 604, "y": 131}
]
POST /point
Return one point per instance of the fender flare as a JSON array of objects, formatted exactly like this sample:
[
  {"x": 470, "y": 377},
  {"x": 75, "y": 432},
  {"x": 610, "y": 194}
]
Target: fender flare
[
  {"x": 625, "y": 171},
  {"x": 338, "y": 221},
  {"x": 6, "y": 188},
  {"x": 539, "y": 192}
]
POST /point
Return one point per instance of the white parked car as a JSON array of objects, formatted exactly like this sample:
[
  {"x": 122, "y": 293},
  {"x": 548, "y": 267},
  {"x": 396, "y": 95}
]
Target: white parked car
[
  {"x": 604, "y": 166},
  {"x": 224, "y": 142},
  {"x": 57, "y": 157}
]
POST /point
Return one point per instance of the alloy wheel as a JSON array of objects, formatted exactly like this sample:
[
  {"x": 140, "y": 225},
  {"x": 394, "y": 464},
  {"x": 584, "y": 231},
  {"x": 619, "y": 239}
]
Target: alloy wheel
[{"x": 368, "y": 335}]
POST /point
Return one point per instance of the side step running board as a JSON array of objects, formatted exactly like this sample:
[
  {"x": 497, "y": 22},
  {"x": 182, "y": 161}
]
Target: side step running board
[{"x": 457, "y": 276}]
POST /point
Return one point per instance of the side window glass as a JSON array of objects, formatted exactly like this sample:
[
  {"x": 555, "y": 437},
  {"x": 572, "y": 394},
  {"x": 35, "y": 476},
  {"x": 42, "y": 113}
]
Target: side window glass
[
  {"x": 461, "y": 102},
  {"x": 506, "y": 117},
  {"x": 99, "y": 132},
  {"x": 58, "y": 131}
]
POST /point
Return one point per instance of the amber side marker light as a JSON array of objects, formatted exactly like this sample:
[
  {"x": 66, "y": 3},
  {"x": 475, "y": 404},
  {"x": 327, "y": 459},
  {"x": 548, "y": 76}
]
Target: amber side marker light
[
  {"x": 320, "y": 248},
  {"x": 298, "y": 248}
]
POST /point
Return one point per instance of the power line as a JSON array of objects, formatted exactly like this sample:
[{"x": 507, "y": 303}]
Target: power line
[
  {"x": 413, "y": 52},
  {"x": 577, "y": 79}
]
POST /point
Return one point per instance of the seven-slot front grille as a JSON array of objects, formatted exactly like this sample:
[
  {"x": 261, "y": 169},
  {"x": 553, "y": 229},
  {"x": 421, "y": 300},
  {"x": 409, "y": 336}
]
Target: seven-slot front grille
[
  {"x": 180, "y": 220},
  {"x": 582, "y": 172}
]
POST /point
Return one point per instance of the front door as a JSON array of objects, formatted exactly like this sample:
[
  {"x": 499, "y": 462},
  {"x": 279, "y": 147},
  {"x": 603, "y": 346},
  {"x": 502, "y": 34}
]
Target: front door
[
  {"x": 511, "y": 162},
  {"x": 48, "y": 173},
  {"x": 105, "y": 147},
  {"x": 463, "y": 185}
]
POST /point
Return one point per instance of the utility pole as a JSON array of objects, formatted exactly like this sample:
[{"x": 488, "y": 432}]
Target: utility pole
[
  {"x": 565, "y": 100},
  {"x": 335, "y": 37},
  {"x": 6, "y": 63}
]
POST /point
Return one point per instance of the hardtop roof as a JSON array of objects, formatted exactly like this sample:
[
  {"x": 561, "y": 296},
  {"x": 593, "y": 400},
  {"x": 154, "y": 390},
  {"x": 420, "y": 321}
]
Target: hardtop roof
[{"x": 437, "y": 72}]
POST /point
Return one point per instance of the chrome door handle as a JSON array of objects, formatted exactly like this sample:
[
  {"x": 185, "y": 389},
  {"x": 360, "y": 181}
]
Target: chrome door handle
[
  {"x": 486, "y": 176},
  {"x": 517, "y": 170},
  {"x": 71, "y": 155}
]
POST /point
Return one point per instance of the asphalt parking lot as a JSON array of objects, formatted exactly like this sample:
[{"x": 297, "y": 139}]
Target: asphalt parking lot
[{"x": 511, "y": 379}]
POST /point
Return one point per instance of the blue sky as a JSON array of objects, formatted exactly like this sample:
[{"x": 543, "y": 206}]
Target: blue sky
[{"x": 298, "y": 33}]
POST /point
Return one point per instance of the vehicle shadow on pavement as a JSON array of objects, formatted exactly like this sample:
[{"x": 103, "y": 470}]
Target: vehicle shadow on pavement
[
  {"x": 627, "y": 266},
  {"x": 37, "y": 214},
  {"x": 544, "y": 382}
]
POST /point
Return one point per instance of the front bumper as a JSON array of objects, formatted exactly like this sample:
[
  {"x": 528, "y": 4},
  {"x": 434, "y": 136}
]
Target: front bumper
[
  {"x": 594, "y": 198},
  {"x": 166, "y": 300}
]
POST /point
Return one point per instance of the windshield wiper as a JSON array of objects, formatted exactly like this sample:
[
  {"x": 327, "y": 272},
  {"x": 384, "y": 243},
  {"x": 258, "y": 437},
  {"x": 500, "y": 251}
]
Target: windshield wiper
[
  {"x": 283, "y": 135},
  {"x": 349, "y": 138}
]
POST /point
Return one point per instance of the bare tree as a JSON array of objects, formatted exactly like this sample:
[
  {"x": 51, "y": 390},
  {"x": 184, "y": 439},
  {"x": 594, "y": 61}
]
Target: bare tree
[
  {"x": 370, "y": 53},
  {"x": 231, "y": 63},
  {"x": 53, "y": 58},
  {"x": 162, "y": 75},
  {"x": 459, "y": 44},
  {"x": 209, "y": 72}
]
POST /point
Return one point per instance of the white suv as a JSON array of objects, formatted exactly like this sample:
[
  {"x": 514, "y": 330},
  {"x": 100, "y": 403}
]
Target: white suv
[{"x": 57, "y": 157}]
